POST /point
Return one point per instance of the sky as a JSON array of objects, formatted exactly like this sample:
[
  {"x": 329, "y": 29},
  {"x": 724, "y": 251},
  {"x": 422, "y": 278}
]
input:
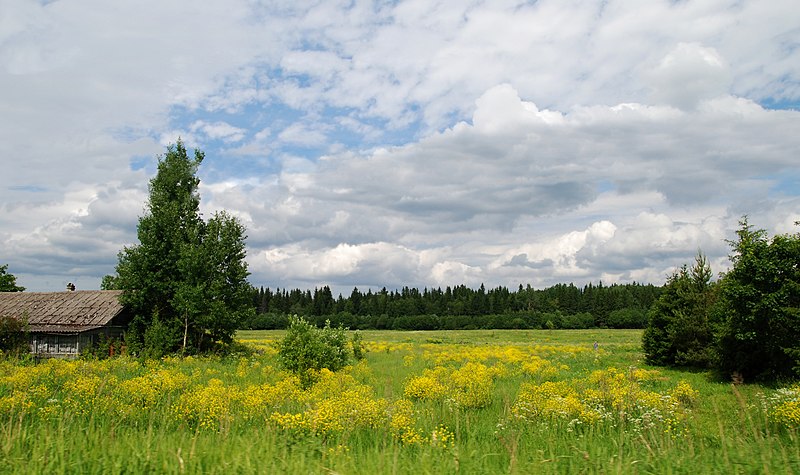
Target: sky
[{"x": 403, "y": 143}]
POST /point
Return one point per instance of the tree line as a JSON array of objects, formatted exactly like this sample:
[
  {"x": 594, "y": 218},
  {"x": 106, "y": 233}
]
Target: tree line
[{"x": 459, "y": 307}]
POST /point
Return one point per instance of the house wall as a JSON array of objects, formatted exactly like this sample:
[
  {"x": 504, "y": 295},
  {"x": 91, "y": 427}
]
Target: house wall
[
  {"x": 69, "y": 345},
  {"x": 55, "y": 345}
]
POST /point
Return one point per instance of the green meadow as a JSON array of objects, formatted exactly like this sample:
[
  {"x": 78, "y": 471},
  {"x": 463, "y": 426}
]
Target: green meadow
[{"x": 482, "y": 401}]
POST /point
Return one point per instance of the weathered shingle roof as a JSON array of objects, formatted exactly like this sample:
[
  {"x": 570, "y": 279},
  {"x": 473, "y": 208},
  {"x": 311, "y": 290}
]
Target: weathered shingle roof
[{"x": 63, "y": 311}]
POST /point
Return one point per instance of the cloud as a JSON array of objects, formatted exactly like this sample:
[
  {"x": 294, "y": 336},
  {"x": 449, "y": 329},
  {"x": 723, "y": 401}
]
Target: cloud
[
  {"x": 343, "y": 264},
  {"x": 406, "y": 143},
  {"x": 302, "y": 135},
  {"x": 690, "y": 74},
  {"x": 219, "y": 131},
  {"x": 456, "y": 193}
]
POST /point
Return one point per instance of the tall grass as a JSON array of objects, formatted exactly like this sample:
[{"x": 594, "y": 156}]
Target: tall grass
[{"x": 244, "y": 415}]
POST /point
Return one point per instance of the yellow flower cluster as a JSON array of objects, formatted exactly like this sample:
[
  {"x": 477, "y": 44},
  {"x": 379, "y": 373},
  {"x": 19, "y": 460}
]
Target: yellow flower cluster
[
  {"x": 783, "y": 407},
  {"x": 123, "y": 388},
  {"x": 263, "y": 346},
  {"x": 213, "y": 394},
  {"x": 607, "y": 395},
  {"x": 402, "y": 423},
  {"x": 552, "y": 400},
  {"x": 442, "y": 437},
  {"x": 83, "y": 392},
  {"x": 214, "y": 404},
  {"x": 291, "y": 422},
  {"x": 257, "y": 400},
  {"x": 207, "y": 407},
  {"x": 572, "y": 350},
  {"x": 442, "y": 354},
  {"x": 335, "y": 403},
  {"x": 787, "y": 413},
  {"x": 641, "y": 374},
  {"x": 426, "y": 386},
  {"x": 685, "y": 394},
  {"x": 148, "y": 390},
  {"x": 620, "y": 391},
  {"x": 541, "y": 368},
  {"x": 469, "y": 386},
  {"x": 18, "y": 402}
]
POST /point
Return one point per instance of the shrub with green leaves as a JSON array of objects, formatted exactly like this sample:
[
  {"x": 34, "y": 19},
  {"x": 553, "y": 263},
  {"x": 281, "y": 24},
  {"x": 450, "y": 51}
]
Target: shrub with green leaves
[
  {"x": 307, "y": 349},
  {"x": 358, "y": 349},
  {"x": 13, "y": 335}
]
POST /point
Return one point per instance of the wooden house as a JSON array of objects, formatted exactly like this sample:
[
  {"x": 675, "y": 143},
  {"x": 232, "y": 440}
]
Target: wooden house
[{"x": 62, "y": 324}]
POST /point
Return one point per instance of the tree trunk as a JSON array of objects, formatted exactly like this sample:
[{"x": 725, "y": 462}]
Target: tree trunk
[{"x": 185, "y": 331}]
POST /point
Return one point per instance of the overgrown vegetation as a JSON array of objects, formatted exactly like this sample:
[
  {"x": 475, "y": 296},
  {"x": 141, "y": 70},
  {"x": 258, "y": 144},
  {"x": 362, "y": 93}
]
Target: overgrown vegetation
[
  {"x": 14, "y": 339},
  {"x": 104, "y": 347}
]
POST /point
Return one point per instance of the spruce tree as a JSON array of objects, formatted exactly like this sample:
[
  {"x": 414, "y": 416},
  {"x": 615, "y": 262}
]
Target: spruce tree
[{"x": 680, "y": 328}]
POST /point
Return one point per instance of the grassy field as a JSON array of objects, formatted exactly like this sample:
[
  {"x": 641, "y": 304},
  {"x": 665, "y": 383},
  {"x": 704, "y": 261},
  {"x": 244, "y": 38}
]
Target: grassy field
[{"x": 420, "y": 402}]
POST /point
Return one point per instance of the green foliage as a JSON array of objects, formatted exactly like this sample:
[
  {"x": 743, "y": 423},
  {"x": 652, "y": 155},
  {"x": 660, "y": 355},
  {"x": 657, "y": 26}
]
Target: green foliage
[
  {"x": 627, "y": 318},
  {"x": 307, "y": 349},
  {"x": 577, "y": 321},
  {"x": 214, "y": 294},
  {"x": 188, "y": 272},
  {"x": 8, "y": 281},
  {"x": 109, "y": 282},
  {"x": 358, "y": 349},
  {"x": 679, "y": 330},
  {"x": 103, "y": 348},
  {"x": 760, "y": 306},
  {"x": 13, "y": 335},
  {"x": 159, "y": 338}
]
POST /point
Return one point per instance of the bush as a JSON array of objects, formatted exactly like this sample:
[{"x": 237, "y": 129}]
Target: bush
[
  {"x": 159, "y": 339},
  {"x": 103, "y": 348},
  {"x": 358, "y": 349},
  {"x": 307, "y": 349},
  {"x": 13, "y": 335}
]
